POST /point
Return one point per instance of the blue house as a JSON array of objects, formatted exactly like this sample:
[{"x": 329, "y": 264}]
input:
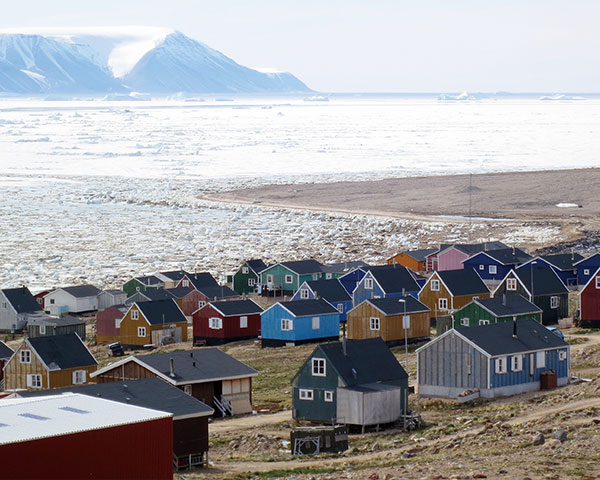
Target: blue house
[
  {"x": 351, "y": 279},
  {"x": 563, "y": 264},
  {"x": 386, "y": 281},
  {"x": 491, "y": 360},
  {"x": 295, "y": 323},
  {"x": 330, "y": 290},
  {"x": 493, "y": 265},
  {"x": 586, "y": 268}
]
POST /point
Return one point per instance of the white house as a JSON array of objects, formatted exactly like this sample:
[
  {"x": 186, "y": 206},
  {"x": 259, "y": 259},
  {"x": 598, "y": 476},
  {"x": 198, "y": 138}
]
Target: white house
[{"x": 82, "y": 298}]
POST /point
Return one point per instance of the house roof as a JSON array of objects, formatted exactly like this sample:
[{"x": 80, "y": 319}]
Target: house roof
[
  {"x": 394, "y": 278},
  {"x": 81, "y": 291},
  {"x": 154, "y": 295},
  {"x": 179, "y": 292},
  {"x": 420, "y": 255},
  {"x": 56, "y": 321},
  {"x": 508, "y": 305},
  {"x": 62, "y": 351},
  {"x": 304, "y": 267},
  {"x": 497, "y": 338},
  {"x": 147, "y": 392},
  {"x": 506, "y": 256},
  {"x": 22, "y": 300},
  {"x": 366, "y": 361},
  {"x": 237, "y": 307},
  {"x": 590, "y": 259},
  {"x": 5, "y": 351},
  {"x": 304, "y": 308},
  {"x": 161, "y": 311},
  {"x": 393, "y": 305},
  {"x": 174, "y": 275},
  {"x": 149, "y": 280},
  {"x": 342, "y": 267},
  {"x": 331, "y": 290},
  {"x": 218, "y": 291},
  {"x": 545, "y": 280},
  {"x": 563, "y": 261},
  {"x": 471, "y": 248},
  {"x": 201, "y": 279},
  {"x": 463, "y": 282},
  {"x": 26, "y": 419},
  {"x": 256, "y": 265},
  {"x": 114, "y": 292}
]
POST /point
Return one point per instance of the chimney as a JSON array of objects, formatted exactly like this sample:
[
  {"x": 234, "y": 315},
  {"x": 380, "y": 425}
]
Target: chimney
[
  {"x": 514, "y": 327},
  {"x": 172, "y": 367}
]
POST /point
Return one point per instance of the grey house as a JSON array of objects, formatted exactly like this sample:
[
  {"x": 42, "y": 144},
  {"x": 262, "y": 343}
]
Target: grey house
[
  {"x": 16, "y": 305},
  {"x": 109, "y": 298},
  {"x": 45, "y": 325},
  {"x": 354, "y": 382}
]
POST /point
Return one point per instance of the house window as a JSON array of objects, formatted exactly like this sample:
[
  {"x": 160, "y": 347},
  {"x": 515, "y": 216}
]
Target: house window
[
  {"x": 464, "y": 322},
  {"x": 79, "y": 377},
  {"x": 315, "y": 276},
  {"x": 328, "y": 396},
  {"x": 493, "y": 269},
  {"x": 187, "y": 389},
  {"x": 25, "y": 356},
  {"x": 215, "y": 323},
  {"x": 517, "y": 363},
  {"x": 374, "y": 323},
  {"x": 598, "y": 282},
  {"x": 244, "y": 322},
  {"x": 443, "y": 304},
  {"x": 42, "y": 329},
  {"x": 269, "y": 278},
  {"x": 304, "y": 293},
  {"x": 562, "y": 354},
  {"x": 34, "y": 380},
  {"x": 316, "y": 323},
  {"x": 117, "y": 322},
  {"x": 185, "y": 283},
  {"x": 484, "y": 322},
  {"x": 287, "y": 324},
  {"x": 135, "y": 315},
  {"x": 435, "y": 285},
  {"x": 4, "y": 305},
  {"x": 540, "y": 359},
  {"x": 142, "y": 332},
  {"x": 51, "y": 301},
  {"x": 251, "y": 282},
  {"x": 289, "y": 279},
  {"x": 328, "y": 276},
  {"x": 306, "y": 394},
  {"x": 137, "y": 289},
  {"x": 501, "y": 365},
  {"x": 201, "y": 303},
  {"x": 511, "y": 284},
  {"x": 481, "y": 267},
  {"x": 554, "y": 302},
  {"x": 340, "y": 307},
  {"x": 318, "y": 367},
  {"x": 244, "y": 270},
  {"x": 586, "y": 271},
  {"x": 369, "y": 283}
]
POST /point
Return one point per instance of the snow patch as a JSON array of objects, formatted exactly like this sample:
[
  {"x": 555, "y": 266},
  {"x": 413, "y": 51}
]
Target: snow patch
[{"x": 568, "y": 205}]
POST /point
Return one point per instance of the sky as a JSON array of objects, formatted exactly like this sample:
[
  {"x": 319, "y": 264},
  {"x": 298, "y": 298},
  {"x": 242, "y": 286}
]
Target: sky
[{"x": 371, "y": 45}]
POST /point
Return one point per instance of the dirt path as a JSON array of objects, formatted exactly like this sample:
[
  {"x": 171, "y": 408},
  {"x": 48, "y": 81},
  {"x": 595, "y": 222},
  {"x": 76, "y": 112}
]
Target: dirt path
[
  {"x": 567, "y": 407},
  {"x": 245, "y": 423}
]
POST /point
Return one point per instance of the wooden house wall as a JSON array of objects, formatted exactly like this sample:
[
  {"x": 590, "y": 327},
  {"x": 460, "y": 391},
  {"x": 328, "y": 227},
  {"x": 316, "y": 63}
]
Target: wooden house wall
[
  {"x": 484, "y": 261},
  {"x": 64, "y": 378},
  {"x": 106, "y": 327},
  {"x": 191, "y": 302},
  {"x": 460, "y": 301},
  {"x": 33, "y": 330},
  {"x": 302, "y": 326},
  {"x": 430, "y": 298},
  {"x": 590, "y": 304},
  {"x": 589, "y": 265},
  {"x": 407, "y": 261},
  {"x": 128, "y": 334},
  {"x": 124, "y": 372},
  {"x": 231, "y": 325},
  {"x": 133, "y": 286},
  {"x": 451, "y": 259},
  {"x": 239, "y": 393},
  {"x": 351, "y": 279},
  {"x": 474, "y": 313},
  {"x": 240, "y": 281},
  {"x": 345, "y": 306},
  {"x": 190, "y": 436},
  {"x": 16, "y": 372},
  {"x": 369, "y": 407},
  {"x": 361, "y": 293},
  {"x": 206, "y": 391}
]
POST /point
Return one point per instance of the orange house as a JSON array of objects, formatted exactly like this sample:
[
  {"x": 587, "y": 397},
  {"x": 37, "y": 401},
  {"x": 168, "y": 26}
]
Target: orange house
[{"x": 414, "y": 259}]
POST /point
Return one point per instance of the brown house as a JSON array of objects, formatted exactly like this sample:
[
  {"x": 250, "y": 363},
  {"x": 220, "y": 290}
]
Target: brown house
[
  {"x": 49, "y": 362},
  {"x": 208, "y": 374},
  {"x": 383, "y": 317},
  {"x": 152, "y": 322},
  {"x": 415, "y": 259},
  {"x": 449, "y": 290}
]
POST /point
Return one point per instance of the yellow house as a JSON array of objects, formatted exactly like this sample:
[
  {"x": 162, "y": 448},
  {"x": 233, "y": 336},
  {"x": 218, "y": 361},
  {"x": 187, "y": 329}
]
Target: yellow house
[{"x": 152, "y": 323}]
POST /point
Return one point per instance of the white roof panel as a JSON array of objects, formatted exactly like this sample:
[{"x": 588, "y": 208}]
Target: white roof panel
[{"x": 23, "y": 419}]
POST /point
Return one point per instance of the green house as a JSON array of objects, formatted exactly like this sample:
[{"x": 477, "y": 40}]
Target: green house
[
  {"x": 286, "y": 277},
  {"x": 247, "y": 278},
  {"x": 504, "y": 308},
  {"x": 353, "y": 382},
  {"x": 141, "y": 284}
]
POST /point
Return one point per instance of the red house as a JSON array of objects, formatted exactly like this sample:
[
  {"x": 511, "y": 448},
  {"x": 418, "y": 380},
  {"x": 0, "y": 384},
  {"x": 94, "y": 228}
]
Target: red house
[
  {"x": 221, "y": 322},
  {"x": 589, "y": 302},
  {"x": 107, "y": 323}
]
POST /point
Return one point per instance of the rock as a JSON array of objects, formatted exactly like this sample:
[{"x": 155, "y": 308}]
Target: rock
[
  {"x": 388, "y": 476},
  {"x": 479, "y": 475},
  {"x": 408, "y": 455},
  {"x": 374, "y": 476},
  {"x": 539, "y": 439},
  {"x": 560, "y": 435}
]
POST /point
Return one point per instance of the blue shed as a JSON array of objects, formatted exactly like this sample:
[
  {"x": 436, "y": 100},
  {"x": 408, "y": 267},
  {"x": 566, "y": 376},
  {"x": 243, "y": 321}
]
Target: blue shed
[
  {"x": 295, "y": 323},
  {"x": 586, "y": 268},
  {"x": 386, "y": 281},
  {"x": 330, "y": 290},
  {"x": 493, "y": 265}
]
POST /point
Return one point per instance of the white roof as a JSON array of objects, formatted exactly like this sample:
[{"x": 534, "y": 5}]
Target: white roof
[{"x": 23, "y": 419}]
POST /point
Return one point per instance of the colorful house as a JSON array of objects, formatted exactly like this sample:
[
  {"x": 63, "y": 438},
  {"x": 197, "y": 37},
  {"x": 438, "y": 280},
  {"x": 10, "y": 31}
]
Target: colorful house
[
  {"x": 108, "y": 323},
  {"x": 220, "y": 322},
  {"x": 286, "y": 277},
  {"x": 563, "y": 264},
  {"x": 16, "y": 305},
  {"x": 141, "y": 284},
  {"x": 208, "y": 374},
  {"x": 336, "y": 270},
  {"x": 589, "y": 302},
  {"x": 451, "y": 256},
  {"x": 449, "y": 290},
  {"x": 331, "y": 290},
  {"x": 49, "y": 362},
  {"x": 490, "y": 361},
  {"x": 44, "y": 325},
  {"x": 77, "y": 299},
  {"x": 540, "y": 285},
  {"x": 386, "y": 281},
  {"x": 351, "y": 279},
  {"x": 247, "y": 278},
  {"x": 148, "y": 323},
  {"x": 5, "y": 353},
  {"x": 108, "y": 298},
  {"x": 493, "y": 265},
  {"x": 353, "y": 382},
  {"x": 197, "y": 280},
  {"x": 216, "y": 294},
  {"x": 586, "y": 268},
  {"x": 295, "y": 323},
  {"x": 504, "y": 308},
  {"x": 414, "y": 259},
  {"x": 387, "y": 318},
  {"x": 150, "y": 295},
  {"x": 171, "y": 278}
]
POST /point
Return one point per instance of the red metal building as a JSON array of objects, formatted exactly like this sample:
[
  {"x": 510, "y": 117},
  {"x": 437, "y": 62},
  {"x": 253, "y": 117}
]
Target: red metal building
[{"x": 221, "y": 322}]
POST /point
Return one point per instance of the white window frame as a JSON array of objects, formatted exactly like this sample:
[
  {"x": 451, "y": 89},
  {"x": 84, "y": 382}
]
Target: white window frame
[
  {"x": 244, "y": 322},
  {"x": 42, "y": 329},
  {"x": 500, "y": 365},
  {"x": 215, "y": 323},
  {"x": 540, "y": 359},
  {"x": 516, "y": 364},
  {"x": 562, "y": 355},
  {"x": 304, "y": 294},
  {"x": 117, "y": 322},
  {"x": 251, "y": 282},
  {"x": 481, "y": 267},
  {"x": 25, "y": 356},
  {"x": 340, "y": 307},
  {"x": 435, "y": 285},
  {"x": 315, "y": 276},
  {"x": 493, "y": 269},
  {"x": 201, "y": 303},
  {"x": 51, "y": 301},
  {"x": 319, "y": 367},
  {"x": 305, "y": 394},
  {"x": 328, "y": 276},
  {"x": 598, "y": 282},
  {"x": 135, "y": 315},
  {"x": 316, "y": 323},
  {"x": 444, "y": 302},
  {"x": 375, "y": 323},
  {"x": 511, "y": 284},
  {"x": 141, "y": 332},
  {"x": 187, "y": 389},
  {"x": 464, "y": 322},
  {"x": 328, "y": 395},
  {"x": 34, "y": 380},
  {"x": 4, "y": 304},
  {"x": 269, "y": 278},
  {"x": 79, "y": 377},
  {"x": 289, "y": 279},
  {"x": 287, "y": 325},
  {"x": 586, "y": 271},
  {"x": 484, "y": 322},
  {"x": 245, "y": 270},
  {"x": 368, "y": 284},
  {"x": 185, "y": 283},
  {"x": 554, "y": 301}
]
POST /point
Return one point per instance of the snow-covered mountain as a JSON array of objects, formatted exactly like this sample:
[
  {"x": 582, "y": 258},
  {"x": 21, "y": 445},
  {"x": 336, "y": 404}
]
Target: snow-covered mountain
[{"x": 128, "y": 59}]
